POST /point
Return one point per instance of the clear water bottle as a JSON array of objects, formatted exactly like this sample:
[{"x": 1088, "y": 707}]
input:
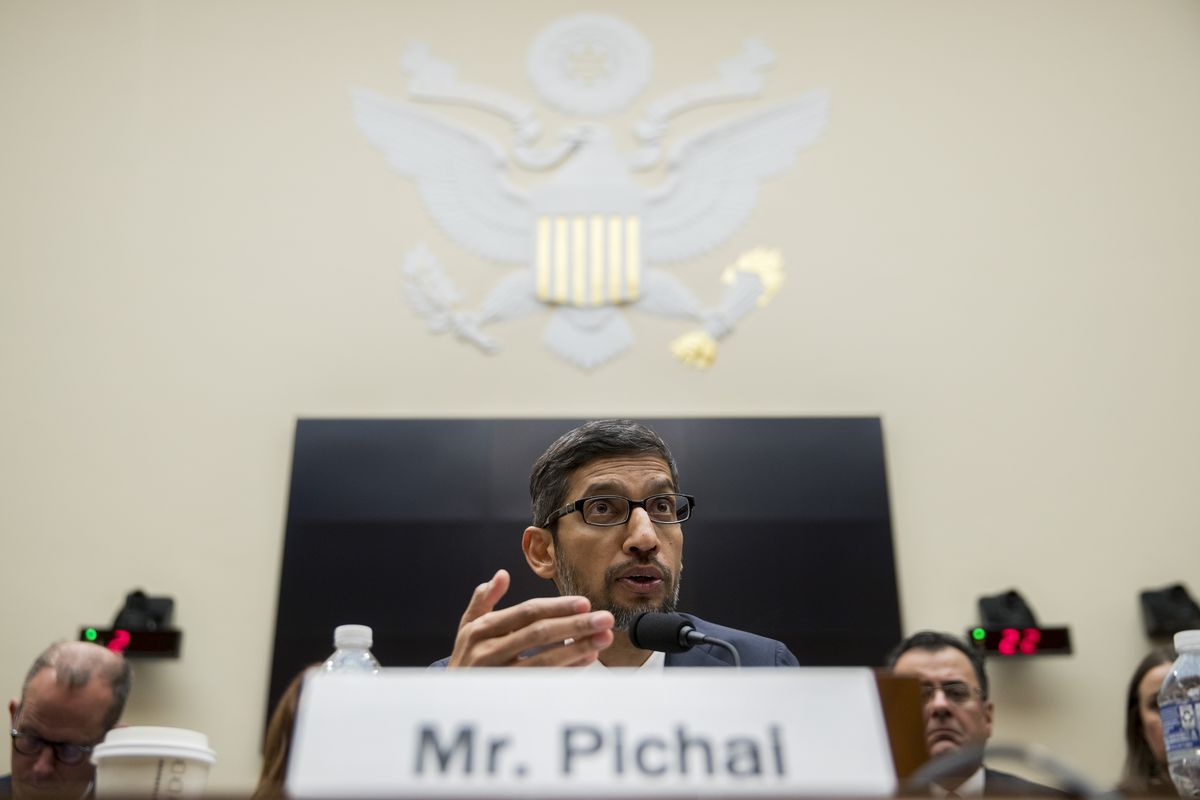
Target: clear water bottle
[
  {"x": 352, "y": 653},
  {"x": 1179, "y": 706}
]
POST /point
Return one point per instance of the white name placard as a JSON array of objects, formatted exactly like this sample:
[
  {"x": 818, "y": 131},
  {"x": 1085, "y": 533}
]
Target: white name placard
[{"x": 556, "y": 732}]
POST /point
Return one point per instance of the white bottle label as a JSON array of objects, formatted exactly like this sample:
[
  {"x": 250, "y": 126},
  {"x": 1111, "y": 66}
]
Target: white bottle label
[{"x": 1181, "y": 725}]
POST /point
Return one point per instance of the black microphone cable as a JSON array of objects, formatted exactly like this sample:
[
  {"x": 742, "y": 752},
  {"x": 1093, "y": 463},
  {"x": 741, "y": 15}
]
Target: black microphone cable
[
  {"x": 737, "y": 659},
  {"x": 673, "y": 633}
]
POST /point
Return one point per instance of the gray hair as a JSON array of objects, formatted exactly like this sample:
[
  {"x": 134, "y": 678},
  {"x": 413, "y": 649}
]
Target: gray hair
[
  {"x": 607, "y": 437},
  {"x": 74, "y": 664}
]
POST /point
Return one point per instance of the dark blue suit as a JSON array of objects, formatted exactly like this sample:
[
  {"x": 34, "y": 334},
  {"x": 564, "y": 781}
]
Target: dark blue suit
[{"x": 755, "y": 651}]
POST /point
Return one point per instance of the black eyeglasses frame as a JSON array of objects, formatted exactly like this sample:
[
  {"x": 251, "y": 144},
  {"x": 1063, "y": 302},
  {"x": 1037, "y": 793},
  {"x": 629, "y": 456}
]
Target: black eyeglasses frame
[
  {"x": 578, "y": 505},
  {"x": 41, "y": 744}
]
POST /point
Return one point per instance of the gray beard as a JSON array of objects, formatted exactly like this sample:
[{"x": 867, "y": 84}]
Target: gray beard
[{"x": 569, "y": 584}]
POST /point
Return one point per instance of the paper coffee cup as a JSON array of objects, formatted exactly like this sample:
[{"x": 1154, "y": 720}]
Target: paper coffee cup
[{"x": 151, "y": 762}]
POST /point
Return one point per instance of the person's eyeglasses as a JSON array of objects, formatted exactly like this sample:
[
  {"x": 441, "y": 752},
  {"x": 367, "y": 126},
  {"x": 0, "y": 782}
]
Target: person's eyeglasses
[
  {"x": 666, "y": 509},
  {"x": 67, "y": 752},
  {"x": 956, "y": 692}
]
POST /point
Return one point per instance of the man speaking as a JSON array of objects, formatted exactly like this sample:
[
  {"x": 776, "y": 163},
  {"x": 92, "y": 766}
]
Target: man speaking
[{"x": 608, "y": 520}]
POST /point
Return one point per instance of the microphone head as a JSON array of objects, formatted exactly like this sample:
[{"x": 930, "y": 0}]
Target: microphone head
[{"x": 654, "y": 630}]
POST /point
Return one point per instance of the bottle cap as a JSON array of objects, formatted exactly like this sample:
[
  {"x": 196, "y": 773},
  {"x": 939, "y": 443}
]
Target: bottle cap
[
  {"x": 356, "y": 636},
  {"x": 1187, "y": 640}
]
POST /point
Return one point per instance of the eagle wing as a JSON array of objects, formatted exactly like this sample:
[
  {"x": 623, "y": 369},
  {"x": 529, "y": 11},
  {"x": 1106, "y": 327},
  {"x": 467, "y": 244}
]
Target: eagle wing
[
  {"x": 460, "y": 174},
  {"x": 713, "y": 176}
]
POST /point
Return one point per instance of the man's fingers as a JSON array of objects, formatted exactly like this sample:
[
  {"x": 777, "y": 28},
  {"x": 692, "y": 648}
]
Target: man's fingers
[
  {"x": 545, "y": 631},
  {"x": 548, "y": 635},
  {"x": 579, "y": 653},
  {"x": 485, "y": 597},
  {"x": 530, "y": 614},
  {"x": 491, "y": 641}
]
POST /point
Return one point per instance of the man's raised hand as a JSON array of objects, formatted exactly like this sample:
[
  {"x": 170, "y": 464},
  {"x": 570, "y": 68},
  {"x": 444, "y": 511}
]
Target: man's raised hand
[{"x": 543, "y": 632}]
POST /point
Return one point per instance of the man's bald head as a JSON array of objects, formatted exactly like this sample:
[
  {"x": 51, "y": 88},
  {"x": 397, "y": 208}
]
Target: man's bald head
[
  {"x": 75, "y": 663},
  {"x": 73, "y": 695}
]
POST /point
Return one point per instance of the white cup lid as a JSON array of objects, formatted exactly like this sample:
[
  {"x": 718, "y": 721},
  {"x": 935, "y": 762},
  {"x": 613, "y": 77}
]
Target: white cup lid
[{"x": 140, "y": 741}]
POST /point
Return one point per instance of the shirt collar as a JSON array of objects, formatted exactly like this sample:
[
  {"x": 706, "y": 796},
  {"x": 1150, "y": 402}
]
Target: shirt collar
[
  {"x": 971, "y": 787},
  {"x": 655, "y": 663}
]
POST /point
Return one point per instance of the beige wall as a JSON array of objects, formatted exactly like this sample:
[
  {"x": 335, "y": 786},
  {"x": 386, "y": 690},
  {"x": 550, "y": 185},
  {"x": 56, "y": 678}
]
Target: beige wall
[{"x": 993, "y": 246}]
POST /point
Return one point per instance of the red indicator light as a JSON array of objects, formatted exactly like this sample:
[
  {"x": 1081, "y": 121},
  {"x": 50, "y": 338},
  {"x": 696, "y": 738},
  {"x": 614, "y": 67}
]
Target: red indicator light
[
  {"x": 1009, "y": 637},
  {"x": 119, "y": 641},
  {"x": 1030, "y": 638}
]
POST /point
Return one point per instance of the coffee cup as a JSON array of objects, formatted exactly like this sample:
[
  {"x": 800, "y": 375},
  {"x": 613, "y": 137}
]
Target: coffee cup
[{"x": 152, "y": 762}]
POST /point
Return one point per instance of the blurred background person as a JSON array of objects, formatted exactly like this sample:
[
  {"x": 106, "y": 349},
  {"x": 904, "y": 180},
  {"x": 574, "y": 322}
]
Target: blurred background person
[
  {"x": 72, "y": 696},
  {"x": 1145, "y": 770},
  {"x": 277, "y": 746},
  {"x": 958, "y": 712}
]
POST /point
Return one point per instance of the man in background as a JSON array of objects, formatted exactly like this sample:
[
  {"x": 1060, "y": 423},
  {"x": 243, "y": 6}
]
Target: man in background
[
  {"x": 72, "y": 696},
  {"x": 957, "y": 714},
  {"x": 607, "y": 529}
]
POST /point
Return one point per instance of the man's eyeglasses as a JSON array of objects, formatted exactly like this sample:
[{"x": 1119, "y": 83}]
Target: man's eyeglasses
[
  {"x": 30, "y": 744},
  {"x": 956, "y": 692},
  {"x": 609, "y": 509}
]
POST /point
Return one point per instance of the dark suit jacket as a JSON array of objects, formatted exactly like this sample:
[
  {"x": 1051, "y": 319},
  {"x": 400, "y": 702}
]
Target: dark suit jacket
[
  {"x": 5, "y": 787},
  {"x": 755, "y": 651},
  {"x": 997, "y": 784},
  {"x": 1002, "y": 784}
]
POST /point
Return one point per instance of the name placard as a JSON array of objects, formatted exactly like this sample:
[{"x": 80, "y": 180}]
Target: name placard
[{"x": 557, "y": 732}]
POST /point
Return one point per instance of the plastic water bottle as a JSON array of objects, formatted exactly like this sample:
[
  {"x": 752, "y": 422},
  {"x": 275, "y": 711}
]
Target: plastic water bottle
[
  {"x": 1179, "y": 706},
  {"x": 352, "y": 653}
]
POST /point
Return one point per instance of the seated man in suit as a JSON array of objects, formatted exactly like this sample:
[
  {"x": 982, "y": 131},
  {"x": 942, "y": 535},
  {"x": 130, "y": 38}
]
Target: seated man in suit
[
  {"x": 607, "y": 529},
  {"x": 73, "y": 695},
  {"x": 957, "y": 712}
]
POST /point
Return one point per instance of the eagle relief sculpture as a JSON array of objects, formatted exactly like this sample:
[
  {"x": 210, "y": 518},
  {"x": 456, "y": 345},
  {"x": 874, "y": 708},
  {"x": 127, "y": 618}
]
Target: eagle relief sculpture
[{"x": 584, "y": 234}]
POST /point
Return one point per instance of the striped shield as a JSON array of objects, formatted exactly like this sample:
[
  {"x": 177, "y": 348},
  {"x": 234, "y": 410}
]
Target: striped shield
[{"x": 588, "y": 259}]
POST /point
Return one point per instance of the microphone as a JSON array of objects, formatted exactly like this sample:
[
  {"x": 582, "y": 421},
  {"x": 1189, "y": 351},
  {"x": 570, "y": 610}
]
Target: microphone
[{"x": 672, "y": 633}]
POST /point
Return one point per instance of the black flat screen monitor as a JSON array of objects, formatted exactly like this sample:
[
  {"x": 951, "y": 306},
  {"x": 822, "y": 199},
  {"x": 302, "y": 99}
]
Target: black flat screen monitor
[{"x": 393, "y": 523}]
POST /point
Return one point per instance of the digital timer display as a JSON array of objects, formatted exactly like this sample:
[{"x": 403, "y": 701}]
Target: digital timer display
[
  {"x": 139, "y": 644},
  {"x": 1015, "y": 642}
]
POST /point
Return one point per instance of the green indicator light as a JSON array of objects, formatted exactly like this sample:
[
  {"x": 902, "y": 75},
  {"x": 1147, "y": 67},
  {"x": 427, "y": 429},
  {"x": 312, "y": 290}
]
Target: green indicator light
[
  {"x": 978, "y": 634},
  {"x": 90, "y": 634}
]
